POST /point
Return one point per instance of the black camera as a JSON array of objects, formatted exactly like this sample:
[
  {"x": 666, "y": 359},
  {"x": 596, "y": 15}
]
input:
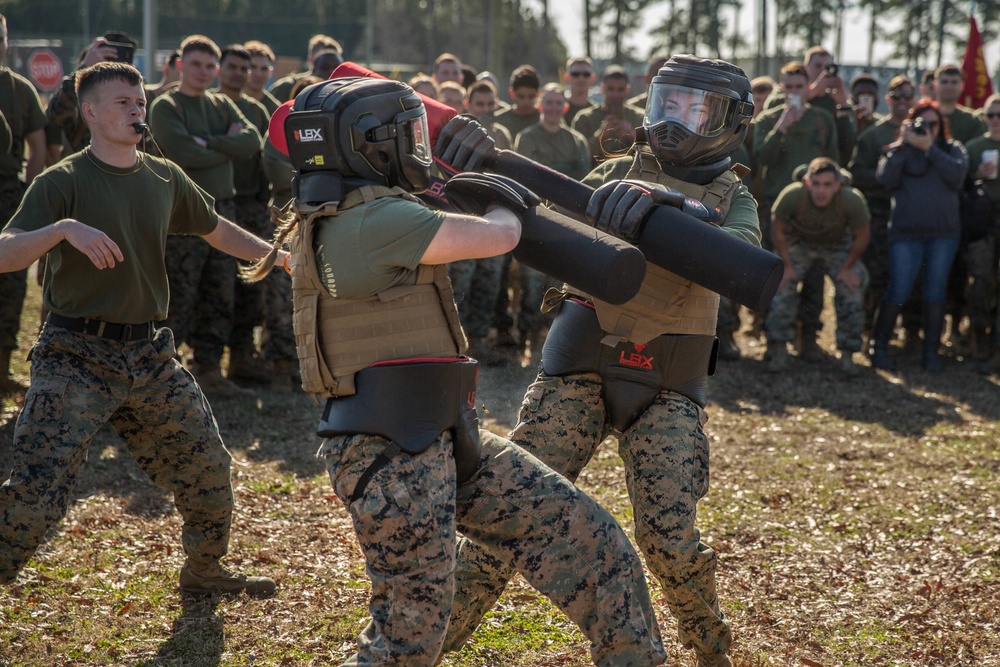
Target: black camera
[
  {"x": 832, "y": 69},
  {"x": 918, "y": 126}
]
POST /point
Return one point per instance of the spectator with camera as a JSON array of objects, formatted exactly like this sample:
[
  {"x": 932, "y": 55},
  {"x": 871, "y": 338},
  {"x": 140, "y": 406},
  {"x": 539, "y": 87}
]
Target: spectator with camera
[
  {"x": 924, "y": 171},
  {"x": 872, "y": 146}
]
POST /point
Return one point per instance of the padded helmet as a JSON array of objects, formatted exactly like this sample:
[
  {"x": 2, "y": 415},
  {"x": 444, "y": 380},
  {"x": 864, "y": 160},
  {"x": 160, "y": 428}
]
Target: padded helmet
[
  {"x": 361, "y": 127},
  {"x": 698, "y": 111}
]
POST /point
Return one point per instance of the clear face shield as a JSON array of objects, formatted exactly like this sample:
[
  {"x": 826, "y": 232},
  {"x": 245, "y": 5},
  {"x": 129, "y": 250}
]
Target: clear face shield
[
  {"x": 413, "y": 150},
  {"x": 701, "y": 112},
  {"x": 416, "y": 135}
]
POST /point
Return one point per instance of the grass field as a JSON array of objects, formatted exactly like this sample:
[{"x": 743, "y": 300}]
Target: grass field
[{"x": 855, "y": 520}]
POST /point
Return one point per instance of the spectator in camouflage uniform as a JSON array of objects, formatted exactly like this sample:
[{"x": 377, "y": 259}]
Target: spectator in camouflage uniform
[
  {"x": 25, "y": 117},
  {"x": 554, "y": 144},
  {"x": 66, "y": 129},
  {"x": 104, "y": 215},
  {"x": 478, "y": 282},
  {"x": 645, "y": 386},
  {"x": 818, "y": 221},
  {"x": 402, "y": 444},
  {"x": 203, "y": 132},
  {"x": 274, "y": 364}
]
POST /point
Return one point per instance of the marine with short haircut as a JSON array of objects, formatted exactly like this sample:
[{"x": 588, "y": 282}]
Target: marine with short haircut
[
  {"x": 103, "y": 216},
  {"x": 203, "y": 132},
  {"x": 819, "y": 222}
]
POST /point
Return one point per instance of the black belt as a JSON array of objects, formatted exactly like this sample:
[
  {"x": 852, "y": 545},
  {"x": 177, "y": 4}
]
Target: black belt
[{"x": 121, "y": 332}]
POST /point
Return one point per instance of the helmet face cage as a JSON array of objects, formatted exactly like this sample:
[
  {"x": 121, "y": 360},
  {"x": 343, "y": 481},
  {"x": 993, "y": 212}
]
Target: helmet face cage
[
  {"x": 698, "y": 111},
  {"x": 375, "y": 129}
]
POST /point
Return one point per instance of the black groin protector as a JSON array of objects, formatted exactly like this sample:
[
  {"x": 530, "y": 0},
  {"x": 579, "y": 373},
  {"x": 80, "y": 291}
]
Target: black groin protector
[{"x": 412, "y": 404}]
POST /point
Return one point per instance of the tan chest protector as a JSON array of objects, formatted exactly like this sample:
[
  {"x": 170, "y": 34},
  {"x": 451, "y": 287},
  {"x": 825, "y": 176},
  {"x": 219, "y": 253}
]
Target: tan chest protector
[
  {"x": 667, "y": 303},
  {"x": 335, "y": 338}
]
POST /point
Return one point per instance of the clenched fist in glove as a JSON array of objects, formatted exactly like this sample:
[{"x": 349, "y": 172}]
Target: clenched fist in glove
[
  {"x": 621, "y": 207},
  {"x": 464, "y": 144},
  {"x": 475, "y": 193}
]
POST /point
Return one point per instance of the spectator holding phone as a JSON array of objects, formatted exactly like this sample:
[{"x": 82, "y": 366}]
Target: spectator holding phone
[{"x": 924, "y": 171}]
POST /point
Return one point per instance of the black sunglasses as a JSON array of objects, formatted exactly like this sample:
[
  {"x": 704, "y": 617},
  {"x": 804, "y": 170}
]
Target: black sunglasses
[
  {"x": 991, "y": 116},
  {"x": 577, "y": 75},
  {"x": 900, "y": 96}
]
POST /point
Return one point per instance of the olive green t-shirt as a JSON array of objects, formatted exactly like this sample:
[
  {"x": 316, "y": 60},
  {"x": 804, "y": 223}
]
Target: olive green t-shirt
[
  {"x": 24, "y": 113},
  {"x": 965, "y": 125},
  {"x": 516, "y": 123},
  {"x": 565, "y": 150},
  {"x": 372, "y": 247},
  {"x": 820, "y": 226},
  {"x": 137, "y": 208}
]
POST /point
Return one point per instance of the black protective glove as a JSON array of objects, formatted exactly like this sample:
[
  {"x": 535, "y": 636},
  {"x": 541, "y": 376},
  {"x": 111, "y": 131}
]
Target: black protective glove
[
  {"x": 464, "y": 144},
  {"x": 475, "y": 193},
  {"x": 621, "y": 207}
]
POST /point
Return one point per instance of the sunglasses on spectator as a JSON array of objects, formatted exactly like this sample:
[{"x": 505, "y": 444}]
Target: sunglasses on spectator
[
  {"x": 900, "y": 96},
  {"x": 577, "y": 75},
  {"x": 991, "y": 116}
]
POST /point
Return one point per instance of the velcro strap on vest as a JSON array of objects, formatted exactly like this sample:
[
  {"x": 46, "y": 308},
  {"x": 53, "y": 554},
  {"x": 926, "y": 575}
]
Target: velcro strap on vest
[
  {"x": 411, "y": 404},
  {"x": 632, "y": 374}
]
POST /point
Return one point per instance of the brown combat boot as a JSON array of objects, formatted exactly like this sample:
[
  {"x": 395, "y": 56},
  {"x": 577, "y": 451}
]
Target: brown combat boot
[
  {"x": 215, "y": 386},
  {"x": 201, "y": 579}
]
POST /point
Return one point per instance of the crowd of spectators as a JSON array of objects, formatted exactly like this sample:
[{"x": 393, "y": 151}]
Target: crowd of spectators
[{"x": 866, "y": 200}]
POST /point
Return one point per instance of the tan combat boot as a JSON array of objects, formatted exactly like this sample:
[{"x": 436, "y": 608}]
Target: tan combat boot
[
  {"x": 202, "y": 579},
  {"x": 210, "y": 380}
]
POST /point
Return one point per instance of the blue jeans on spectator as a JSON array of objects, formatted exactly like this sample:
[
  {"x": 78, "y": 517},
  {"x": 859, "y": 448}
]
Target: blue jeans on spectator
[{"x": 935, "y": 255}]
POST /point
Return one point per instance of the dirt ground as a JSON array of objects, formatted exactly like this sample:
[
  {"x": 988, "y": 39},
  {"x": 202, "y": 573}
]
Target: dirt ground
[{"x": 855, "y": 522}]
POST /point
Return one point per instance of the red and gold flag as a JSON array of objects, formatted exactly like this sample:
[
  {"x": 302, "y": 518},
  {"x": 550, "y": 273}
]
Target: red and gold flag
[{"x": 977, "y": 85}]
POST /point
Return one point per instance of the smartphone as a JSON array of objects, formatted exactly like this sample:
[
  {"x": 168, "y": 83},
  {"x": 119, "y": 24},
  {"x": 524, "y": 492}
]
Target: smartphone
[
  {"x": 832, "y": 69},
  {"x": 794, "y": 101},
  {"x": 125, "y": 51}
]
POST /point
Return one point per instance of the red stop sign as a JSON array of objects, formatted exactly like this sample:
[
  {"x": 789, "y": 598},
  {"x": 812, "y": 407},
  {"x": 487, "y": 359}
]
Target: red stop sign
[{"x": 45, "y": 69}]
